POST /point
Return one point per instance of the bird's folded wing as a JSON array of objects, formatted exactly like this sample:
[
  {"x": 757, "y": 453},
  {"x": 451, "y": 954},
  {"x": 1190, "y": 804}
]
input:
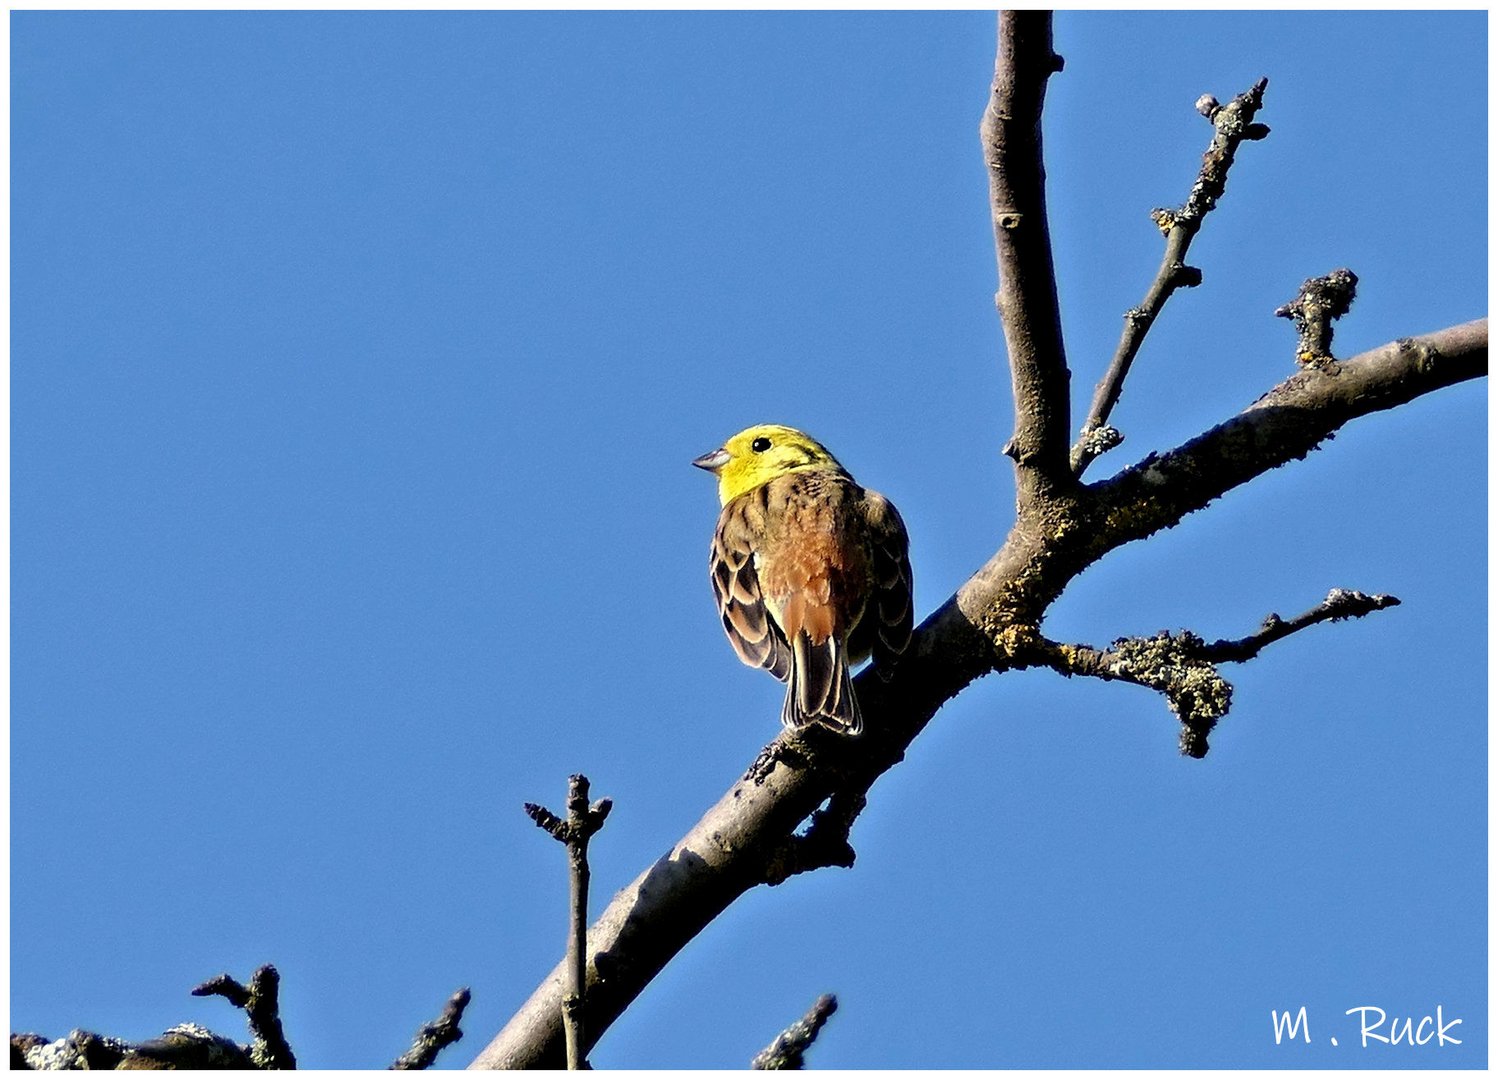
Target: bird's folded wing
[
  {"x": 892, "y": 603},
  {"x": 752, "y": 632}
]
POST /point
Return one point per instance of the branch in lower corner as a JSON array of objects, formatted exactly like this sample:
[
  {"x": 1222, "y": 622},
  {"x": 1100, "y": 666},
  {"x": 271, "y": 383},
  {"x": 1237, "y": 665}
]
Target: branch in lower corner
[
  {"x": 261, "y": 1004},
  {"x": 434, "y": 1037},
  {"x": 583, "y": 820},
  {"x": 789, "y": 1048}
]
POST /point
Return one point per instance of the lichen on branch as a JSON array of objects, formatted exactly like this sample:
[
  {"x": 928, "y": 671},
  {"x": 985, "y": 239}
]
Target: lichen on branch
[
  {"x": 1319, "y": 303},
  {"x": 1183, "y": 667}
]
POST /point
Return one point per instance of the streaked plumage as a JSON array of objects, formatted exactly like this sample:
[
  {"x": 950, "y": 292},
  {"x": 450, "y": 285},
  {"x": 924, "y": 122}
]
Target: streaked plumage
[{"x": 810, "y": 570}]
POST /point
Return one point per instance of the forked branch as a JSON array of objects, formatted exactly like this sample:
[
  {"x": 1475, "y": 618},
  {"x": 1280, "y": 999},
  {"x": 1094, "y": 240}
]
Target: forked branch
[
  {"x": 581, "y": 823},
  {"x": 191, "y": 1046},
  {"x": 1319, "y": 303},
  {"x": 261, "y": 1004},
  {"x": 1284, "y": 425}
]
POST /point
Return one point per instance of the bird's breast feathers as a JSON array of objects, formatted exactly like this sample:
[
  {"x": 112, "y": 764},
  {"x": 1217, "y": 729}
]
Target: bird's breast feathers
[{"x": 813, "y": 560}]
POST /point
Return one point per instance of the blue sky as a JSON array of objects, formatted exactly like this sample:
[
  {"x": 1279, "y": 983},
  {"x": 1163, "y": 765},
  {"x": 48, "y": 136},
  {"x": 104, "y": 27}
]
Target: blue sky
[{"x": 357, "y": 362}]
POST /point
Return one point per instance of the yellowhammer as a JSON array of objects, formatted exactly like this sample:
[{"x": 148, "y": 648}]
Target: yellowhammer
[{"x": 811, "y": 571}]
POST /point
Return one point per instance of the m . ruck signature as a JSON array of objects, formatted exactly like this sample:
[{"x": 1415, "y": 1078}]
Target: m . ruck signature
[{"x": 1374, "y": 1026}]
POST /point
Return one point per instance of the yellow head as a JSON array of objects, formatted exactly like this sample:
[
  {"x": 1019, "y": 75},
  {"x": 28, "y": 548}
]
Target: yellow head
[{"x": 757, "y": 455}]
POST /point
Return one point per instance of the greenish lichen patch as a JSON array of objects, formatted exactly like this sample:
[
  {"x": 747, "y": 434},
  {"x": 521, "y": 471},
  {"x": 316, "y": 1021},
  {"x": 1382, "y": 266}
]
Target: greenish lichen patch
[{"x": 1172, "y": 664}]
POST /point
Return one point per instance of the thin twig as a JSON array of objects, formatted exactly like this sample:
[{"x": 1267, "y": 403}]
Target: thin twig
[
  {"x": 1231, "y": 124},
  {"x": 1339, "y": 604},
  {"x": 1183, "y": 667},
  {"x": 582, "y": 822},
  {"x": 1027, "y": 300},
  {"x": 437, "y": 1035},
  {"x": 259, "y": 1000},
  {"x": 789, "y": 1048}
]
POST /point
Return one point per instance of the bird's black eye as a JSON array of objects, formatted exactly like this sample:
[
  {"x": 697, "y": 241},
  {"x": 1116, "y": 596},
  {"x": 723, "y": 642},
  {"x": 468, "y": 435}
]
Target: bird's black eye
[{"x": 760, "y": 445}]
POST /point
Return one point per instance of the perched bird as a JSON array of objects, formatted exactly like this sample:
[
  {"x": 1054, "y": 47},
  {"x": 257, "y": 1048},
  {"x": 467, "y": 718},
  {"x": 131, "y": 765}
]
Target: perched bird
[{"x": 811, "y": 571}]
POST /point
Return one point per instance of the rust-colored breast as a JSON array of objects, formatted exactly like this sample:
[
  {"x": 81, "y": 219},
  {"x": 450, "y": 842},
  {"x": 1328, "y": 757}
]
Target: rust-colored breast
[{"x": 814, "y": 562}]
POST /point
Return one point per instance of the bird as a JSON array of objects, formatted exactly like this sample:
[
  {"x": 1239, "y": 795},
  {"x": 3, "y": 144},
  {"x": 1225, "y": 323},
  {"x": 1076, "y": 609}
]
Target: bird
[{"x": 811, "y": 571}]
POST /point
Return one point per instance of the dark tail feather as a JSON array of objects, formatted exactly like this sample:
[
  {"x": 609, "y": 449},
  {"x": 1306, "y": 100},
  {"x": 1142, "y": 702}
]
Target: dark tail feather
[{"x": 821, "y": 689}]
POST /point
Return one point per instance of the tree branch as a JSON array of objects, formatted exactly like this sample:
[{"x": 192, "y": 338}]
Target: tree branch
[
  {"x": 1284, "y": 425},
  {"x": 186, "y": 1046},
  {"x": 261, "y": 1005},
  {"x": 788, "y": 1051},
  {"x": 191, "y": 1046},
  {"x": 78, "y": 1050},
  {"x": 1319, "y": 302},
  {"x": 582, "y": 822},
  {"x": 1183, "y": 667},
  {"x": 1027, "y": 301},
  {"x": 824, "y": 843},
  {"x": 1231, "y": 124},
  {"x": 434, "y": 1037},
  {"x": 1339, "y": 604}
]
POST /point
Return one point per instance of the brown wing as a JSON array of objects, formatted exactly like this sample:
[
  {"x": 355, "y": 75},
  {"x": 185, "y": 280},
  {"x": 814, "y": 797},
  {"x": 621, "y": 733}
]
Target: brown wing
[
  {"x": 750, "y": 630},
  {"x": 892, "y": 610}
]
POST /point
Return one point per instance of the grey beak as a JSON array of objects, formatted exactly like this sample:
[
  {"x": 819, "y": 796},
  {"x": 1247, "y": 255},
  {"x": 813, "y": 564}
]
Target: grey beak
[{"x": 712, "y": 461}]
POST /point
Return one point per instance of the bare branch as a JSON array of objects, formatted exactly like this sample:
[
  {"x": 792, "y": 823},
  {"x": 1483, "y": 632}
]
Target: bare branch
[
  {"x": 1231, "y": 125},
  {"x": 1183, "y": 667},
  {"x": 1319, "y": 302},
  {"x": 191, "y": 1046},
  {"x": 186, "y": 1046},
  {"x": 1339, "y": 604},
  {"x": 434, "y": 1037},
  {"x": 789, "y": 1048},
  {"x": 547, "y": 820},
  {"x": 1026, "y": 299},
  {"x": 582, "y": 822},
  {"x": 1282, "y": 426},
  {"x": 260, "y": 1002}
]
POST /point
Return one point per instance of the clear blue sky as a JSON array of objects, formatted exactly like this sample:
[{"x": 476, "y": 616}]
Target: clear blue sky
[{"x": 357, "y": 365}]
